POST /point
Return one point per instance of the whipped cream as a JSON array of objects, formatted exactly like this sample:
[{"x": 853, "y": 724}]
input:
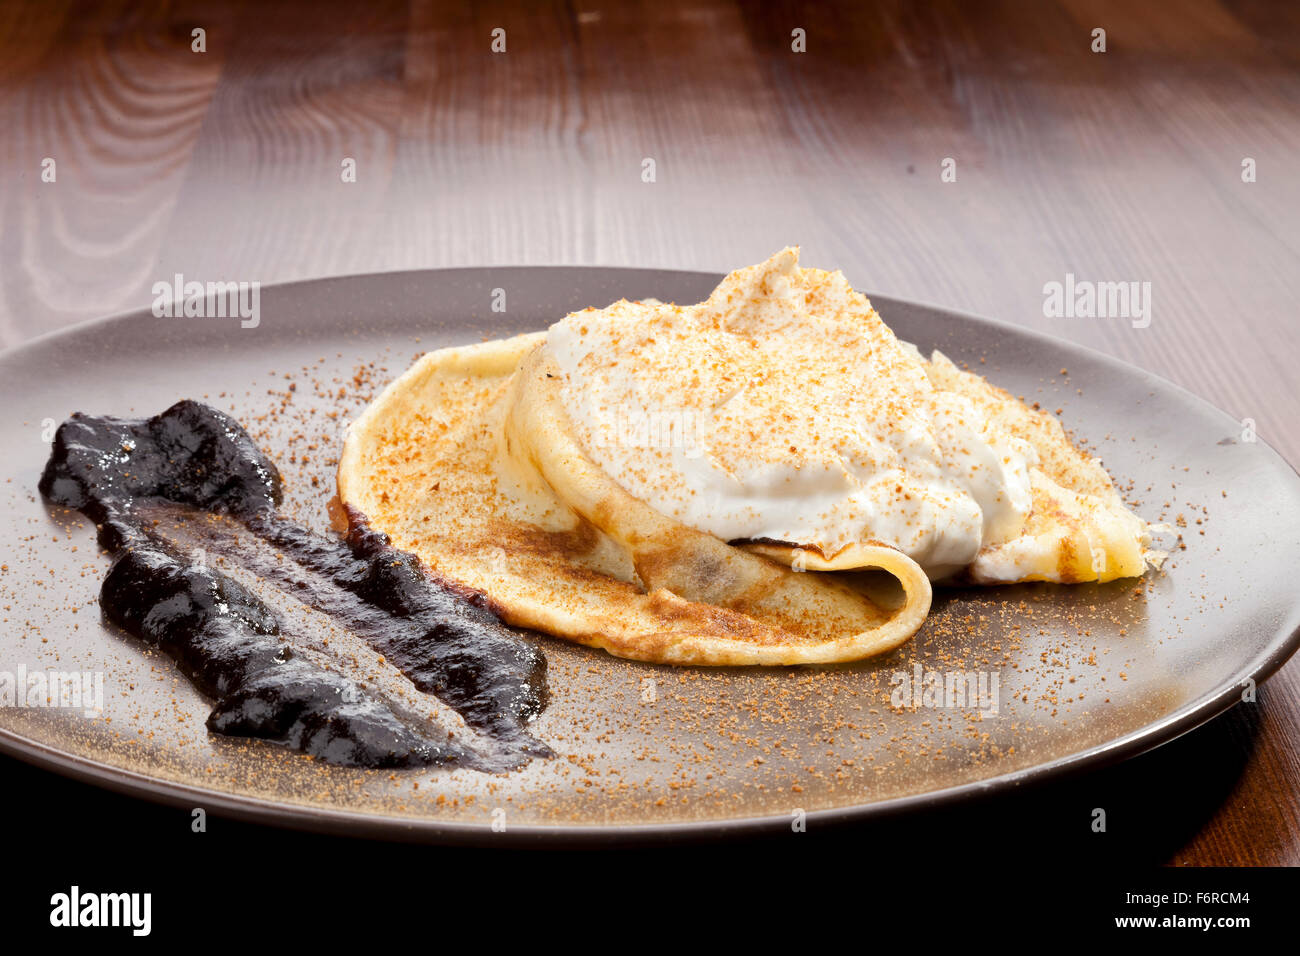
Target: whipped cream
[{"x": 783, "y": 408}]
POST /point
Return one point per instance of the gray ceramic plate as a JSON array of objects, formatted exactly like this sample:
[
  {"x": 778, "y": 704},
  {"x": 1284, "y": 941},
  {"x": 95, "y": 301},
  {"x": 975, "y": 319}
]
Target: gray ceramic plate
[{"x": 1085, "y": 675}]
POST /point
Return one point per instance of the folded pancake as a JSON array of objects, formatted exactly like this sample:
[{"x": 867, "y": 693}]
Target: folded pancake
[
  {"x": 783, "y": 414},
  {"x": 766, "y": 477},
  {"x": 463, "y": 462}
]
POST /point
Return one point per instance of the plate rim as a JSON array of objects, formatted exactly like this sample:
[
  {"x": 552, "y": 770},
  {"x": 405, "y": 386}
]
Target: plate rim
[{"x": 1283, "y": 644}]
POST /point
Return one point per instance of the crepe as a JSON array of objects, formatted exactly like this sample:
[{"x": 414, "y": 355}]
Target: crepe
[
  {"x": 464, "y": 462},
  {"x": 784, "y": 412},
  {"x": 815, "y": 476}
]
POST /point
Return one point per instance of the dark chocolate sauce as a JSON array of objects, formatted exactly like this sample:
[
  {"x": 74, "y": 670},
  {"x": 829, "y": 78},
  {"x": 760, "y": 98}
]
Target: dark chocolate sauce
[{"x": 233, "y": 645}]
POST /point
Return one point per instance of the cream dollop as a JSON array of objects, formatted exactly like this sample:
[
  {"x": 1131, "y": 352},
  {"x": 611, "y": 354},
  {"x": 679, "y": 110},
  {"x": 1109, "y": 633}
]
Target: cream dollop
[{"x": 784, "y": 408}]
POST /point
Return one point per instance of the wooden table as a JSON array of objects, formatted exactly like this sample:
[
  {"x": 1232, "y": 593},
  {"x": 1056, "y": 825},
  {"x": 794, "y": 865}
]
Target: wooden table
[{"x": 1118, "y": 165}]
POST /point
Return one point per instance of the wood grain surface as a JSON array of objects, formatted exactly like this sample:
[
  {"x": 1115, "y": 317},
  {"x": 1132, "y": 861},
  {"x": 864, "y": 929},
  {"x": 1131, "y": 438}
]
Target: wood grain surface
[{"x": 1122, "y": 165}]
